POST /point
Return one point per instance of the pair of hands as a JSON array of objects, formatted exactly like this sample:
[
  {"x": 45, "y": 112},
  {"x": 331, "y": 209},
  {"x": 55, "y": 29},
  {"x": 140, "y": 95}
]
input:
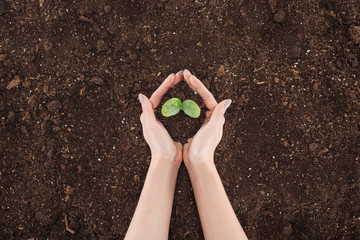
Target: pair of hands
[{"x": 200, "y": 148}]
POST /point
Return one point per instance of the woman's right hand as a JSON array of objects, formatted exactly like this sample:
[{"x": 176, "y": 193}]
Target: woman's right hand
[
  {"x": 162, "y": 146},
  {"x": 200, "y": 149}
]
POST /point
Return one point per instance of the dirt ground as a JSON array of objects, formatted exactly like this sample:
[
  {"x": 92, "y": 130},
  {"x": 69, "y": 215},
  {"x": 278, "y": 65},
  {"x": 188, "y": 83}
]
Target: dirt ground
[{"x": 72, "y": 156}]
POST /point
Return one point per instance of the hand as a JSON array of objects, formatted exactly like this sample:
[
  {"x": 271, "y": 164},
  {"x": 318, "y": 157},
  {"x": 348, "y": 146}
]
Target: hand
[
  {"x": 162, "y": 146},
  {"x": 200, "y": 149}
]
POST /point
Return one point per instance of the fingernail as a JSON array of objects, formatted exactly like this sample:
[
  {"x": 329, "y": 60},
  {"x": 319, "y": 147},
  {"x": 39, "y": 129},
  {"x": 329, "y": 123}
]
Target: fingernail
[
  {"x": 187, "y": 70},
  {"x": 191, "y": 78},
  {"x": 181, "y": 71},
  {"x": 141, "y": 98},
  {"x": 227, "y": 104},
  {"x": 171, "y": 75}
]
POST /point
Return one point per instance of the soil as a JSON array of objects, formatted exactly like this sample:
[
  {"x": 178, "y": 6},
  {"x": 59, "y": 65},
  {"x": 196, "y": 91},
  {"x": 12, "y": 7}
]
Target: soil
[{"x": 73, "y": 159}]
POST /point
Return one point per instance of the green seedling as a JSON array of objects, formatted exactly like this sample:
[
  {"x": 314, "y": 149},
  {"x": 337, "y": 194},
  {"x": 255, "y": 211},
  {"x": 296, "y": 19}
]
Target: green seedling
[{"x": 173, "y": 106}]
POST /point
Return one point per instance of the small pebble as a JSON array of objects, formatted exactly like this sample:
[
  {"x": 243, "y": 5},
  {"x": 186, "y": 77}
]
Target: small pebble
[
  {"x": 46, "y": 217},
  {"x": 112, "y": 29},
  {"x": 13, "y": 83},
  {"x": 313, "y": 147},
  {"x": 136, "y": 178},
  {"x": 101, "y": 45},
  {"x": 279, "y": 16},
  {"x": 11, "y": 116},
  {"x": 352, "y": 59},
  {"x": 354, "y": 32},
  {"x": 133, "y": 56},
  {"x": 97, "y": 80},
  {"x": 24, "y": 130},
  {"x": 26, "y": 84},
  {"x": 107, "y": 8},
  {"x": 287, "y": 230},
  {"x": 53, "y": 105}
]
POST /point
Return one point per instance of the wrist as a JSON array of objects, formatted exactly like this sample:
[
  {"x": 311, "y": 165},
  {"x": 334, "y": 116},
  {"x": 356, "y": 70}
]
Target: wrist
[
  {"x": 198, "y": 159},
  {"x": 161, "y": 164},
  {"x": 201, "y": 174},
  {"x": 206, "y": 165}
]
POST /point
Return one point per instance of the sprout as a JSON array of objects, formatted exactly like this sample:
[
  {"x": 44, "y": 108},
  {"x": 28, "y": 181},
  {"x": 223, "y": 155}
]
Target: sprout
[{"x": 173, "y": 106}]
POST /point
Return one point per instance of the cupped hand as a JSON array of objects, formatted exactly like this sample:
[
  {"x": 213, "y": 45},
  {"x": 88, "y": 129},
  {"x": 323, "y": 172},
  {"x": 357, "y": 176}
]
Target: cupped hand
[
  {"x": 200, "y": 148},
  {"x": 162, "y": 146}
]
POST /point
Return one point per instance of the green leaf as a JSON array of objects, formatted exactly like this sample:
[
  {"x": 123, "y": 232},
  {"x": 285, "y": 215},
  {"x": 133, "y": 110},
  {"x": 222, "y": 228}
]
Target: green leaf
[
  {"x": 171, "y": 107},
  {"x": 191, "y": 108}
]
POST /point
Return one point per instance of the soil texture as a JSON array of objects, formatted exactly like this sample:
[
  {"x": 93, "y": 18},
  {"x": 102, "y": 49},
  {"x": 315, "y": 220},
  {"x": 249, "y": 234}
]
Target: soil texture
[{"x": 72, "y": 156}]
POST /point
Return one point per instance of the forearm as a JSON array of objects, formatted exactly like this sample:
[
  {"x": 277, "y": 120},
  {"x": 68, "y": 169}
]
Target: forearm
[
  {"x": 152, "y": 215},
  {"x": 217, "y": 216}
]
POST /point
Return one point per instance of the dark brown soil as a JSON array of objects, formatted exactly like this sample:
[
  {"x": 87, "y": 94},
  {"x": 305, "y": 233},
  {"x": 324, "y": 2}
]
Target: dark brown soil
[{"x": 71, "y": 145}]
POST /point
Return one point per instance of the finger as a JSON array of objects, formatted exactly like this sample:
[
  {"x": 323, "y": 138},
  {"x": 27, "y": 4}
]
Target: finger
[
  {"x": 147, "y": 109},
  {"x": 205, "y": 94},
  {"x": 187, "y": 75},
  {"x": 196, "y": 85},
  {"x": 156, "y": 97},
  {"x": 178, "y": 76},
  {"x": 218, "y": 114}
]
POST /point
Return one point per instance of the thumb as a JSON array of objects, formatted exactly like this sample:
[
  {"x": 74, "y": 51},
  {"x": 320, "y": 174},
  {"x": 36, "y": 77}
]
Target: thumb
[
  {"x": 147, "y": 108},
  {"x": 219, "y": 111}
]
